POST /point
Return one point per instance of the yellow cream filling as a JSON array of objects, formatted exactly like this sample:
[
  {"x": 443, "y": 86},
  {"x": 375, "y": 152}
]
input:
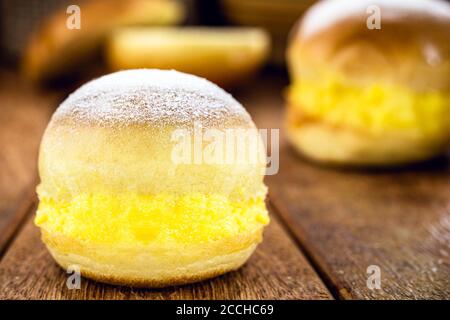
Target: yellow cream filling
[
  {"x": 376, "y": 108},
  {"x": 163, "y": 218}
]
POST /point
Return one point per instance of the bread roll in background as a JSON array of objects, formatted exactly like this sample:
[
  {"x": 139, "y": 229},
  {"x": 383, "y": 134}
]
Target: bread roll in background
[
  {"x": 226, "y": 56},
  {"x": 368, "y": 96},
  {"x": 55, "y": 50},
  {"x": 113, "y": 200}
]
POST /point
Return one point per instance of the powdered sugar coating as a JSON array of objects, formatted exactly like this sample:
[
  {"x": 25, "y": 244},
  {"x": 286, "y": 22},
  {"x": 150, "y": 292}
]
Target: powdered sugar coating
[
  {"x": 327, "y": 13},
  {"x": 154, "y": 97}
]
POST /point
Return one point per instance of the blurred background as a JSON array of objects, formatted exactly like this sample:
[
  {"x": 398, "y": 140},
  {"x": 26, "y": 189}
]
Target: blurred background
[{"x": 34, "y": 37}]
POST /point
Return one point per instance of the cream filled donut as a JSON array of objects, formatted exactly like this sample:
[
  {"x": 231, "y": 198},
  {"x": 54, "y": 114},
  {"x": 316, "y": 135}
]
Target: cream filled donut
[
  {"x": 368, "y": 91},
  {"x": 115, "y": 202}
]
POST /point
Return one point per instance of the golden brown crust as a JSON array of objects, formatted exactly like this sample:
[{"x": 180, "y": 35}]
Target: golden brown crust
[
  {"x": 54, "y": 49},
  {"x": 145, "y": 283},
  {"x": 347, "y": 147},
  {"x": 410, "y": 51},
  {"x": 152, "y": 267},
  {"x": 127, "y": 120},
  {"x": 150, "y": 283},
  {"x": 226, "y": 56},
  {"x": 411, "y": 48}
]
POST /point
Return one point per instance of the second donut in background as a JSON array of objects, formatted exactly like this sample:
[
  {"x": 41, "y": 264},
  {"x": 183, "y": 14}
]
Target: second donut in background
[
  {"x": 226, "y": 56},
  {"x": 370, "y": 96}
]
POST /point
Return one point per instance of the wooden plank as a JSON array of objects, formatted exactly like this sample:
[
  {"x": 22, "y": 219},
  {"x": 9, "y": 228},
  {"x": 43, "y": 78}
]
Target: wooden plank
[
  {"x": 24, "y": 116},
  {"x": 277, "y": 270},
  {"x": 348, "y": 221}
]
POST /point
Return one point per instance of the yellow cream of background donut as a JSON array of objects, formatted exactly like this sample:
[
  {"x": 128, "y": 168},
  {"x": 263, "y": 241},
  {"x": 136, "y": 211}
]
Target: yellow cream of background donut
[{"x": 113, "y": 202}]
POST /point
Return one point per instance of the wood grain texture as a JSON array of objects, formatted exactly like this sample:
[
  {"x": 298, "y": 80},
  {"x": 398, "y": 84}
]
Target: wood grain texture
[
  {"x": 277, "y": 270},
  {"x": 24, "y": 114},
  {"x": 348, "y": 220}
]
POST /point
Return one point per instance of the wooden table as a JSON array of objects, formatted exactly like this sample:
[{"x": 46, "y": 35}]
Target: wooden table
[{"x": 328, "y": 225}]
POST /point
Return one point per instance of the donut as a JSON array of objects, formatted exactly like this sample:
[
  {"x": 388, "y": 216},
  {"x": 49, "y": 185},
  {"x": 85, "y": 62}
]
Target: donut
[
  {"x": 226, "y": 56},
  {"x": 115, "y": 201},
  {"x": 370, "y": 82},
  {"x": 57, "y": 49}
]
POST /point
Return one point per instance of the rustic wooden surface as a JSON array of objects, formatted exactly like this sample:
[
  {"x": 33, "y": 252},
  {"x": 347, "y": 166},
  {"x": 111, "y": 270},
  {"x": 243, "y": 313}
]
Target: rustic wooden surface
[
  {"x": 343, "y": 221},
  {"x": 23, "y": 117},
  {"x": 277, "y": 270},
  {"x": 348, "y": 220}
]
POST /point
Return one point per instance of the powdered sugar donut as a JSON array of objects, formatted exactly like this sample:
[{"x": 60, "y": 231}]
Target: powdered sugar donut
[{"x": 115, "y": 202}]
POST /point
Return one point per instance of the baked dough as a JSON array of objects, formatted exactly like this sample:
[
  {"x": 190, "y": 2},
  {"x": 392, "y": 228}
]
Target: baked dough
[{"x": 114, "y": 202}]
